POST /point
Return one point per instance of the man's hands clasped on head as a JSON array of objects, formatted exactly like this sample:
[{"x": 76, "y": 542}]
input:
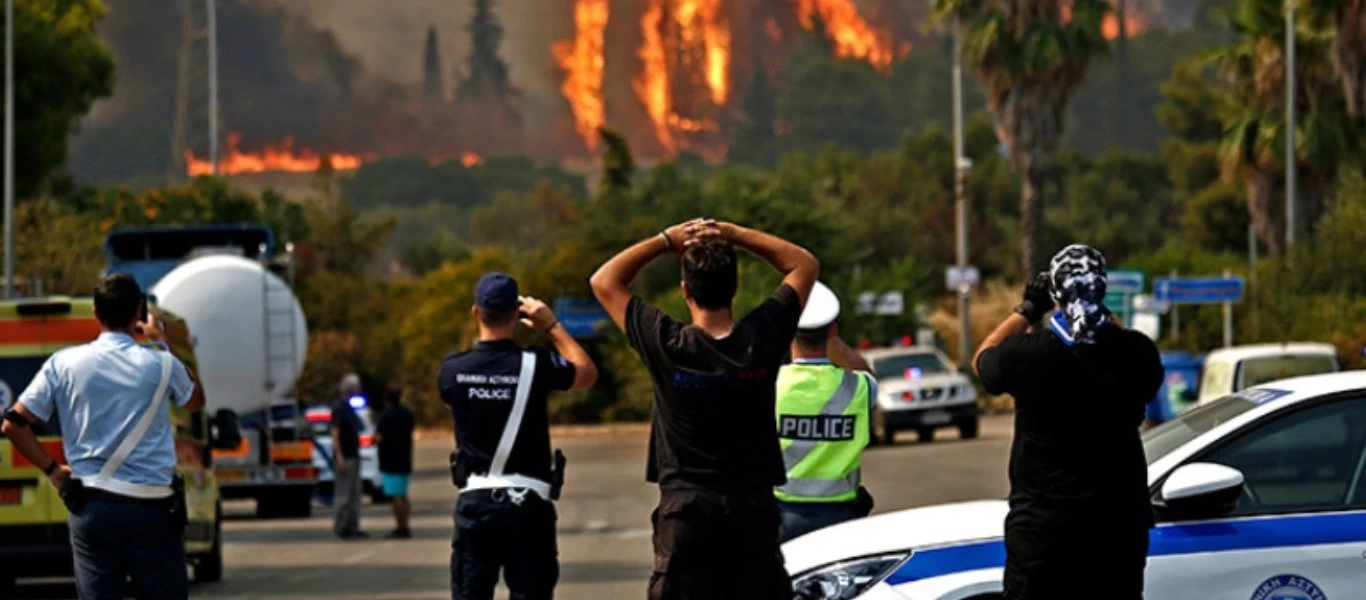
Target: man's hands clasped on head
[{"x": 1038, "y": 299}]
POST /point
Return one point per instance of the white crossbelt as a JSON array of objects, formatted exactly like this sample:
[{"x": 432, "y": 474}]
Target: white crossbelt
[
  {"x": 495, "y": 478},
  {"x": 104, "y": 480}
]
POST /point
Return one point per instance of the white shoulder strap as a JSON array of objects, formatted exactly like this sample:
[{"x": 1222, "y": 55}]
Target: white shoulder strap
[
  {"x": 514, "y": 424},
  {"x": 139, "y": 431}
]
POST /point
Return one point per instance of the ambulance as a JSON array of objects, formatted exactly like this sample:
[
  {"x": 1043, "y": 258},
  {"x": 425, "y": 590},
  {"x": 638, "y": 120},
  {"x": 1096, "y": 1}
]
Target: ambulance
[{"x": 33, "y": 532}]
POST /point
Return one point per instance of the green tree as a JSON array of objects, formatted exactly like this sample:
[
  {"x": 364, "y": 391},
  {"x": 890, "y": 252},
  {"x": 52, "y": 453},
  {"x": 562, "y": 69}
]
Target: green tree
[
  {"x": 1031, "y": 61},
  {"x": 827, "y": 100},
  {"x": 754, "y": 137},
  {"x": 433, "y": 85},
  {"x": 487, "y": 79},
  {"x": 1347, "y": 18},
  {"x": 61, "y": 67}
]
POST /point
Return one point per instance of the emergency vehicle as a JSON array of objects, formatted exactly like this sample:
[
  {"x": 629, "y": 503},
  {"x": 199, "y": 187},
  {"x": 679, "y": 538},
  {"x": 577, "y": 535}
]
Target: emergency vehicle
[
  {"x": 34, "y": 539},
  {"x": 1260, "y": 495},
  {"x": 920, "y": 389}
]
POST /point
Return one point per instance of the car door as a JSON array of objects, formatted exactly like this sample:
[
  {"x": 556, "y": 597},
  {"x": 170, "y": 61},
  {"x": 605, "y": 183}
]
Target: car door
[{"x": 1299, "y": 530}]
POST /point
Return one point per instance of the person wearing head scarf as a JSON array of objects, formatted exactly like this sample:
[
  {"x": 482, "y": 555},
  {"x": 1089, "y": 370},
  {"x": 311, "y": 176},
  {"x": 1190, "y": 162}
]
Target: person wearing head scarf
[{"x": 1079, "y": 505}]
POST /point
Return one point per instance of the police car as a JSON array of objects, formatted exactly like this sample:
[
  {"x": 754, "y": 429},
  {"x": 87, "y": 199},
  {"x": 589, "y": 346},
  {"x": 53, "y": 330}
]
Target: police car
[
  {"x": 320, "y": 424},
  {"x": 920, "y": 389},
  {"x": 1260, "y": 495}
]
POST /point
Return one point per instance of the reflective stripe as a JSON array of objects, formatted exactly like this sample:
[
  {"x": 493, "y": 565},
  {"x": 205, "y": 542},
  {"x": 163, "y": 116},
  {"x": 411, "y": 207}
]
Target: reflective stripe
[
  {"x": 836, "y": 406},
  {"x": 822, "y": 488}
]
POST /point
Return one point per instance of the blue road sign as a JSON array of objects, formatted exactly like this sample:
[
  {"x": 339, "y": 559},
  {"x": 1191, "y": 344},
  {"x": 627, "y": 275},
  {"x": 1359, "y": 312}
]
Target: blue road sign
[
  {"x": 581, "y": 318},
  {"x": 1203, "y": 290},
  {"x": 1125, "y": 281}
]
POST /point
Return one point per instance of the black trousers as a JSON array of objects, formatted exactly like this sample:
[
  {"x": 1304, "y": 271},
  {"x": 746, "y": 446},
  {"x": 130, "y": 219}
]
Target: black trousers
[
  {"x": 114, "y": 539},
  {"x": 801, "y": 518},
  {"x": 717, "y": 546},
  {"x": 1082, "y": 557},
  {"x": 511, "y": 531}
]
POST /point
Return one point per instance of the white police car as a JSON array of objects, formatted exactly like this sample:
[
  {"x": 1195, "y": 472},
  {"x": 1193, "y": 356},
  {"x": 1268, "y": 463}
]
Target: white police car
[
  {"x": 1259, "y": 496},
  {"x": 320, "y": 424}
]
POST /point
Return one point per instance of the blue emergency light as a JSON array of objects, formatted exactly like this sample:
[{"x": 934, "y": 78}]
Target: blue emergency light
[{"x": 358, "y": 402}]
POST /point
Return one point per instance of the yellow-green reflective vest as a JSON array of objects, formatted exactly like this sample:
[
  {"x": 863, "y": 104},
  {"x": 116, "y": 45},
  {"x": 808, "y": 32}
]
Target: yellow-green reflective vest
[{"x": 823, "y": 419}]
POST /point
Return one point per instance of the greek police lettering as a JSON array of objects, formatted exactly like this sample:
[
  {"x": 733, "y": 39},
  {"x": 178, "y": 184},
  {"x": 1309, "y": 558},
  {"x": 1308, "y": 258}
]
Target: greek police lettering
[
  {"x": 1288, "y": 587},
  {"x": 819, "y": 427},
  {"x": 481, "y": 393},
  {"x": 482, "y": 379}
]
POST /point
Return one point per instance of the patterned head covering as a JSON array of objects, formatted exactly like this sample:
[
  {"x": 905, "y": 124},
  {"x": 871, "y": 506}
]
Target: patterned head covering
[{"x": 1078, "y": 279}]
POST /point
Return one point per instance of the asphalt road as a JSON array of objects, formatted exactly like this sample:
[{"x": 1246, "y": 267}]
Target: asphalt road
[{"x": 604, "y": 529}]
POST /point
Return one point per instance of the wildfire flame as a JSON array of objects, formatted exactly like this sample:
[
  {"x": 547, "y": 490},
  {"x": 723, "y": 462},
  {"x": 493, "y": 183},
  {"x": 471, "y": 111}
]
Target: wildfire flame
[
  {"x": 583, "y": 62},
  {"x": 692, "y": 26},
  {"x": 269, "y": 158},
  {"x": 1134, "y": 23},
  {"x": 470, "y": 159},
  {"x": 852, "y": 36}
]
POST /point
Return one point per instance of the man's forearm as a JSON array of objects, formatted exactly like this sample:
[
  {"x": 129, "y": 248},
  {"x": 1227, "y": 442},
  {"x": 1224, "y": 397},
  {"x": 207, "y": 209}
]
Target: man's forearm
[
  {"x": 585, "y": 372},
  {"x": 785, "y": 256},
  {"x": 621, "y": 270},
  {"x": 1014, "y": 324},
  {"x": 26, "y": 444}
]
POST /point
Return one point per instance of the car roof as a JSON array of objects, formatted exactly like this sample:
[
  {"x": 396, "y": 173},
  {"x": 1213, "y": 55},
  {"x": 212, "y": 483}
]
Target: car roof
[
  {"x": 1299, "y": 389},
  {"x": 1241, "y": 353},
  {"x": 898, "y": 351}
]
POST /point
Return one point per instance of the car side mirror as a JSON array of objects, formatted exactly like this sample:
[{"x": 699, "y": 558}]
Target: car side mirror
[
  {"x": 225, "y": 432},
  {"x": 1202, "y": 491}
]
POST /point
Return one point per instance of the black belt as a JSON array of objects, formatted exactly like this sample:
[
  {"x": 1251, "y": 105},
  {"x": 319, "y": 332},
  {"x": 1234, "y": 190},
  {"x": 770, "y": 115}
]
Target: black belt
[{"x": 99, "y": 494}]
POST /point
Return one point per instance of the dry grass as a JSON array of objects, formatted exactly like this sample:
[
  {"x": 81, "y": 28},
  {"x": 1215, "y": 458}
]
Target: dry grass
[{"x": 991, "y": 303}]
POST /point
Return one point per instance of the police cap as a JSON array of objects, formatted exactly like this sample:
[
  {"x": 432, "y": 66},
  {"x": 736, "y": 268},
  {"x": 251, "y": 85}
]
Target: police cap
[
  {"x": 496, "y": 291},
  {"x": 822, "y": 308}
]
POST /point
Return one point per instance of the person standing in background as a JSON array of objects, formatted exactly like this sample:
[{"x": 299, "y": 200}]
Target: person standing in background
[
  {"x": 394, "y": 434},
  {"x": 346, "y": 427}
]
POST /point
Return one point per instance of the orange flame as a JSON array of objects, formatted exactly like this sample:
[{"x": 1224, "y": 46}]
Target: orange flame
[
  {"x": 852, "y": 35},
  {"x": 692, "y": 25},
  {"x": 470, "y": 159},
  {"x": 583, "y": 62},
  {"x": 1134, "y": 23},
  {"x": 269, "y": 158}
]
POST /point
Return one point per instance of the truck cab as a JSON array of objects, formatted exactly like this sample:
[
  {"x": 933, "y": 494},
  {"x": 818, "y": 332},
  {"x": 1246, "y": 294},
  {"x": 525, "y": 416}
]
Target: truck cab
[{"x": 33, "y": 532}]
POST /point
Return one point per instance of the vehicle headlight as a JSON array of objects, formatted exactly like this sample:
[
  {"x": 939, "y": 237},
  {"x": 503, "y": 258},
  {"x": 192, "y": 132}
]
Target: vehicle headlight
[{"x": 846, "y": 580}]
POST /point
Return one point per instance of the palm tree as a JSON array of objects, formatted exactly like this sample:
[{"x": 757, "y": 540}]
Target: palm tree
[
  {"x": 1253, "y": 72},
  {"x": 1347, "y": 18},
  {"x": 1031, "y": 56}
]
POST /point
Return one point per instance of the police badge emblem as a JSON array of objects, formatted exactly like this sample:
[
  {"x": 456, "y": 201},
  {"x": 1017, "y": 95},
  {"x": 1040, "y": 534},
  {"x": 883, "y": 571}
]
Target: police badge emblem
[{"x": 1288, "y": 587}]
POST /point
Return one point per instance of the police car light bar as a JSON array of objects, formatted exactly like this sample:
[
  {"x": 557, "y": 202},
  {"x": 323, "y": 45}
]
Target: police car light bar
[{"x": 357, "y": 402}]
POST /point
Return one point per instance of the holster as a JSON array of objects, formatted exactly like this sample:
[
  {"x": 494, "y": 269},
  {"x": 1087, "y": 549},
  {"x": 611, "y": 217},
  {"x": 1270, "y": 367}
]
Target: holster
[
  {"x": 179, "y": 512},
  {"x": 73, "y": 494},
  {"x": 557, "y": 475},
  {"x": 864, "y": 502},
  {"x": 460, "y": 474}
]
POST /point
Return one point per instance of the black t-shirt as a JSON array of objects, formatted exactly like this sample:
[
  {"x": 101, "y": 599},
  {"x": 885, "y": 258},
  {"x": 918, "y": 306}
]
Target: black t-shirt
[
  {"x": 1077, "y": 450},
  {"x": 395, "y": 429},
  {"x": 479, "y": 385},
  {"x": 347, "y": 423},
  {"x": 712, "y": 426}
]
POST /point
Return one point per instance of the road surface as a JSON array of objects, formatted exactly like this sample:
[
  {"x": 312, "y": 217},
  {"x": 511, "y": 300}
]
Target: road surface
[{"x": 604, "y": 526}]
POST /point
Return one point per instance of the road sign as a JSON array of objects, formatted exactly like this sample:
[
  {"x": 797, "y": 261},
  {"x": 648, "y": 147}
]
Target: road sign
[
  {"x": 962, "y": 279},
  {"x": 581, "y": 318},
  {"x": 890, "y": 304},
  {"x": 1125, "y": 281},
  {"x": 1198, "y": 290}
]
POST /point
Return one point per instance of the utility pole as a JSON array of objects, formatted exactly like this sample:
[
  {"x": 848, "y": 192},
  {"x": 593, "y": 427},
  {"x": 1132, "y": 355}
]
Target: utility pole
[
  {"x": 197, "y": 121},
  {"x": 213, "y": 83},
  {"x": 9, "y": 148},
  {"x": 960, "y": 200},
  {"x": 1291, "y": 157}
]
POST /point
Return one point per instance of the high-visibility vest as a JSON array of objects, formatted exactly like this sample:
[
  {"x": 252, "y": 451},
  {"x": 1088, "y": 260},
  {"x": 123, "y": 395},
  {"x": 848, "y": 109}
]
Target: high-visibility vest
[{"x": 823, "y": 416}]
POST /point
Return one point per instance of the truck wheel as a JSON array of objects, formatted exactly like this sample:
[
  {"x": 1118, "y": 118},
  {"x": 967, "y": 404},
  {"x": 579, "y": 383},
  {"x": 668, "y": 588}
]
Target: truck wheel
[
  {"x": 968, "y": 429},
  {"x": 925, "y": 434},
  {"x": 297, "y": 504},
  {"x": 208, "y": 568}
]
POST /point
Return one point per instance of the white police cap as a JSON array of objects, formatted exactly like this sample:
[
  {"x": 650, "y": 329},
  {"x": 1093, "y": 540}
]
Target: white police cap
[{"x": 822, "y": 308}]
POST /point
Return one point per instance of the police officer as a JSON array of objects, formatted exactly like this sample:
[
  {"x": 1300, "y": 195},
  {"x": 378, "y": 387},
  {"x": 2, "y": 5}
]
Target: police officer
[
  {"x": 497, "y": 391},
  {"x": 823, "y": 422},
  {"x": 109, "y": 396}
]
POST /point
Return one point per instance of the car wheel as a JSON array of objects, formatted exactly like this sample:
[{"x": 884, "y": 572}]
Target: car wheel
[
  {"x": 968, "y": 429},
  {"x": 208, "y": 568},
  {"x": 925, "y": 434}
]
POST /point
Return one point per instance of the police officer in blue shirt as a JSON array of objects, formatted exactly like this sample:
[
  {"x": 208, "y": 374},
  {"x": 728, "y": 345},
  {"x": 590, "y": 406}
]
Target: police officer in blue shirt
[
  {"x": 109, "y": 397},
  {"x": 504, "y": 519}
]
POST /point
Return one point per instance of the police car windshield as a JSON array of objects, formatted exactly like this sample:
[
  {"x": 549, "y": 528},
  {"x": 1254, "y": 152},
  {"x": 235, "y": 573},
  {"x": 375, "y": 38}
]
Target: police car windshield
[
  {"x": 910, "y": 366},
  {"x": 1160, "y": 441}
]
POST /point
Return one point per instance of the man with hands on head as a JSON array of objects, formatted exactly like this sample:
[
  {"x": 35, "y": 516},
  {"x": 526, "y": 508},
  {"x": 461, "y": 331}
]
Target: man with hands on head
[
  {"x": 713, "y": 445},
  {"x": 498, "y": 393},
  {"x": 109, "y": 396}
]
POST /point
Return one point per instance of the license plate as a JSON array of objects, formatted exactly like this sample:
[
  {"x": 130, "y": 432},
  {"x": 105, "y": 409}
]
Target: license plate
[
  {"x": 9, "y": 496},
  {"x": 937, "y": 417}
]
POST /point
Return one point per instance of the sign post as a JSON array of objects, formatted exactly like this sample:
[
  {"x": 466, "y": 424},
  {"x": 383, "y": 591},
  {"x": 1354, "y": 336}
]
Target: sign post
[
  {"x": 1224, "y": 290},
  {"x": 962, "y": 278}
]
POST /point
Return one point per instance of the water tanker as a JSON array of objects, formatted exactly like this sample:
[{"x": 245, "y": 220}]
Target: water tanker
[{"x": 250, "y": 337}]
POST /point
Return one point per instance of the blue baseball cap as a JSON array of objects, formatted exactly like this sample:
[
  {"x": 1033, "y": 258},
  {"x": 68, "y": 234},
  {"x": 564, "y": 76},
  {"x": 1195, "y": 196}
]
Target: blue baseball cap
[{"x": 496, "y": 291}]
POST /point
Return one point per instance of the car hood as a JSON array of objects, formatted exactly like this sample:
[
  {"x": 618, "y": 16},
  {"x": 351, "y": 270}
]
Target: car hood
[
  {"x": 893, "y": 532},
  {"x": 887, "y": 384}
]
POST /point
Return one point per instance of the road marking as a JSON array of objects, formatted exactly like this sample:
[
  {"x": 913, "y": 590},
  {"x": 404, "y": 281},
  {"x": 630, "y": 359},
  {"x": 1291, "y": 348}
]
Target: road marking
[
  {"x": 356, "y": 559},
  {"x": 639, "y": 532},
  {"x": 596, "y": 526}
]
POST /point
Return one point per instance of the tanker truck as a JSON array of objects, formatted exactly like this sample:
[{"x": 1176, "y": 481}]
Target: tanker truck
[{"x": 251, "y": 340}]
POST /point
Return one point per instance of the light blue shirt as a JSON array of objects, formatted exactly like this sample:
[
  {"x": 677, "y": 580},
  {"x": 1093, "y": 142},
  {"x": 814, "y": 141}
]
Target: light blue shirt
[{"x": 99, "y": 391}]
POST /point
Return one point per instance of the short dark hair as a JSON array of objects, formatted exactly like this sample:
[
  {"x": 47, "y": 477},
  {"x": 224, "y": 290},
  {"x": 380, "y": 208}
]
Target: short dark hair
[
  {"x": 709, "y": 270},
  {"x": 813, "y": 339},
  {"x": 118, "y": 300},
  {"x": 497, "y": 317}
]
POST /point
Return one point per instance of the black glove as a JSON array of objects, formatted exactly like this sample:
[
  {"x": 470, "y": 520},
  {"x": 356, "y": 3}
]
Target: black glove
[{"x": 1038, "y": 299}]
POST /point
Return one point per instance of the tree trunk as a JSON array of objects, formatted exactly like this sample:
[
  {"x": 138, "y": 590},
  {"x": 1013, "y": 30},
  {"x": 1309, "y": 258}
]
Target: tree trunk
[
  {"x": 1267, "y": 208},
  {"x": 1349, "y": 54},
  {"x": 1031, "y": 223}
]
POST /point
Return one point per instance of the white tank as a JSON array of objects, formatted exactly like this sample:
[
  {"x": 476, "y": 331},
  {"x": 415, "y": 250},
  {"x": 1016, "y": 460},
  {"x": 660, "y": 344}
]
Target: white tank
[{"x": 247, "y": 327}]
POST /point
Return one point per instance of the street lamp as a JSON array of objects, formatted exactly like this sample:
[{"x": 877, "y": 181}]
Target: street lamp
[
  {"x": 9, "y": 148},
  {"x": 961, "y": 165},
  {"x": 1291, "y": 157}
]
